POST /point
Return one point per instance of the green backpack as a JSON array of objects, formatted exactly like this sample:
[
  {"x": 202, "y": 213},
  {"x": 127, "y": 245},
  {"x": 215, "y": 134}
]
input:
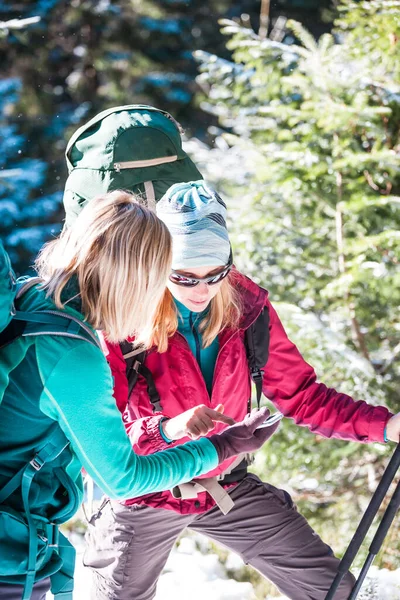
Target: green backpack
[
  {"x": 7, "y": 289},
  {"x": 136, "y": 148},
  {"x": 31, "y": 547}
]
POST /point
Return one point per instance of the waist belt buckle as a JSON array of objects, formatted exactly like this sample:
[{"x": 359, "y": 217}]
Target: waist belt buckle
[{"x": 54, "y": 536}]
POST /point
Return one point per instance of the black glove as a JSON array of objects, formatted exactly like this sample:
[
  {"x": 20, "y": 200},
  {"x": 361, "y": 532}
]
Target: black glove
[{"x": 243, "y": 436}]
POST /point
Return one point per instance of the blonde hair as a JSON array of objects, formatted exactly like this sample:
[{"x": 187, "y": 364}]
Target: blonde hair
[
  {"x": 120, "y": 254},
  {"x": 225, "y": 311}
]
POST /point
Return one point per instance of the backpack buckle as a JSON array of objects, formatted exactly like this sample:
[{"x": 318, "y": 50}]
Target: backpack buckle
[
  {"x": 136, "y": 366},
  {"x": 257, "y": 374},
  {"x": 53, "y": 539},
  {"x": 37, "y": 463}
]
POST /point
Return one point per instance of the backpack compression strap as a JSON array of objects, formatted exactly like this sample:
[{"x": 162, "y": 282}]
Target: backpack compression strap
[
  {"x": 134, "y": 360},
  {"x": 55, "y": 445},
  {"x": 256, "y": 340}
]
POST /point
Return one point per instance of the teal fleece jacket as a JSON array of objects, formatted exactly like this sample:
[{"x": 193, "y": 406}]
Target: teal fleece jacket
[{"x": 48, "y": 379}]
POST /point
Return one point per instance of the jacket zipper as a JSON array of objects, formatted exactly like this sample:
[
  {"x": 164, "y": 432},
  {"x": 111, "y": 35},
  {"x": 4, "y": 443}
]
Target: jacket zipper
[
  {"x": 196, "y": 364},
  {"x": 216, "y": 360}
]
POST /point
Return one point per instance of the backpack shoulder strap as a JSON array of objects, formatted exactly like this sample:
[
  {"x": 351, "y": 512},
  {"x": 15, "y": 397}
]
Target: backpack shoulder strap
[
  {"x": 15, "y": 327},
  {"x": 56, "y": 322},
  {"x": 256, "y": 341},
  {"x": 25, "y": 285},
  {"x": 44, "y": 322},
  {"x": 134, "y": 361},
  {"x": 47, "y": 322}
]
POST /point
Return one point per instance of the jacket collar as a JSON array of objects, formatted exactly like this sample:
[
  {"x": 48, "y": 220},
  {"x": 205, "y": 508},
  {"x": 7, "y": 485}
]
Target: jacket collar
[
  {"x": 186, "y": 317},
  {"x": 252, "y": 297}
]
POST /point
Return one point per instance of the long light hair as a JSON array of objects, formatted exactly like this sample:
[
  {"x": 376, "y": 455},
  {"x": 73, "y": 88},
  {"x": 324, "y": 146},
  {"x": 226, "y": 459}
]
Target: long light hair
[
  {"x": 120, "y": 253},
  {"x": 225, "y": 312}
]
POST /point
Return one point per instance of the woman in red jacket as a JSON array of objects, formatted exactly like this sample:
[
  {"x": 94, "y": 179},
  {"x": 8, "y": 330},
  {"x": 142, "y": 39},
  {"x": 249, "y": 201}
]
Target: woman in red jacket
[{"x": 203, "y": 373}]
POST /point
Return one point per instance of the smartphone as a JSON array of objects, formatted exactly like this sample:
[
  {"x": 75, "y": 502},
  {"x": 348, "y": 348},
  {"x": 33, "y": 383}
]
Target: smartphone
[{"x": 271, "y": 420}]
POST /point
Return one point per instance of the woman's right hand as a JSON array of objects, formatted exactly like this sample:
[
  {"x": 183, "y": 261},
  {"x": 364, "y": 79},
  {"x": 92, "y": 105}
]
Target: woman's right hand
[
  {"x": 195, "y": 422},
  {"x": 243, "y": 436}
]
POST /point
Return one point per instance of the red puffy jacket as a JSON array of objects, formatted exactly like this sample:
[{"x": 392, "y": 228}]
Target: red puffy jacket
[{"x": 289, "y": 382}]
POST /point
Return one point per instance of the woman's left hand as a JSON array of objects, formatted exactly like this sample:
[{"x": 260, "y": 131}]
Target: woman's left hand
[{"x": 393, "y": 428}]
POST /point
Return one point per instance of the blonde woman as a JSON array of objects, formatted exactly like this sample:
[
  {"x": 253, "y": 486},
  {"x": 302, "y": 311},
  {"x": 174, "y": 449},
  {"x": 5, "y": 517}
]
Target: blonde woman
[
  {"x": 107, "y": 272},
  {"x": 204, "y": 369}
]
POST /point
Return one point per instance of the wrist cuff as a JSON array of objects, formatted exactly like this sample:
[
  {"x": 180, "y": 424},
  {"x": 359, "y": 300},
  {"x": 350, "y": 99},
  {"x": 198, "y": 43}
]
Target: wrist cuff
[
  {"x": 385, "y": 438},
  {"x": 164, "y": 437},
  {"x": 221, "y": 448}
]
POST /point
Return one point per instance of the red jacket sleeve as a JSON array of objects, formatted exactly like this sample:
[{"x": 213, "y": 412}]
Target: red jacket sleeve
[
  {"x": 290, "y": 383},
  {"x": 144, "y": 432}
]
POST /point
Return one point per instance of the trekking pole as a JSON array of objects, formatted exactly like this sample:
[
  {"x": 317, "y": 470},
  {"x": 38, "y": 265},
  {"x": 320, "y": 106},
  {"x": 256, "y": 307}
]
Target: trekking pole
[
  {"x": 365, "y": 522},
  {"x": 379, "y": 536}
]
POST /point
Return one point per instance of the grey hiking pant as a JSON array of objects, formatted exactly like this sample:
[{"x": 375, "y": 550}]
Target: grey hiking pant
[
  {"x": 129, "y": 546},
  {"x": 14, "y": 592}
]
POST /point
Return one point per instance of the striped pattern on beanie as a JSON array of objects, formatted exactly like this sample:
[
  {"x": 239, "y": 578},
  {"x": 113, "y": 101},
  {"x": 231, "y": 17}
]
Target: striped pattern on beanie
[{"x": 196, "y": 217}]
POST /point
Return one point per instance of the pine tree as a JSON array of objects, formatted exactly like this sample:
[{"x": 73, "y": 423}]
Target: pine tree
[
  {"x": 310, "y": 157},
  {"x": 25, "y": 223}
]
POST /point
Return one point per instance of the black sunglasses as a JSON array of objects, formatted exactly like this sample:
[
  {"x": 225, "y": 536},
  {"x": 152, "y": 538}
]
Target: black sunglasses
[{"x": 179, "y": 279}]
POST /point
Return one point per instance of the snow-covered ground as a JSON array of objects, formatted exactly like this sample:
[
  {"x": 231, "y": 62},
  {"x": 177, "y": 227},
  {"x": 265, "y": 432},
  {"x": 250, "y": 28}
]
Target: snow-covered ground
[{"x": 190, "y": 573}]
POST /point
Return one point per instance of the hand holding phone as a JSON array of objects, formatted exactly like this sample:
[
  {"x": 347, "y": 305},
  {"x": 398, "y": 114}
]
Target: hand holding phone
[
  {"x": 271, "y": 420},
  {"x": 245, "y": 436}
]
